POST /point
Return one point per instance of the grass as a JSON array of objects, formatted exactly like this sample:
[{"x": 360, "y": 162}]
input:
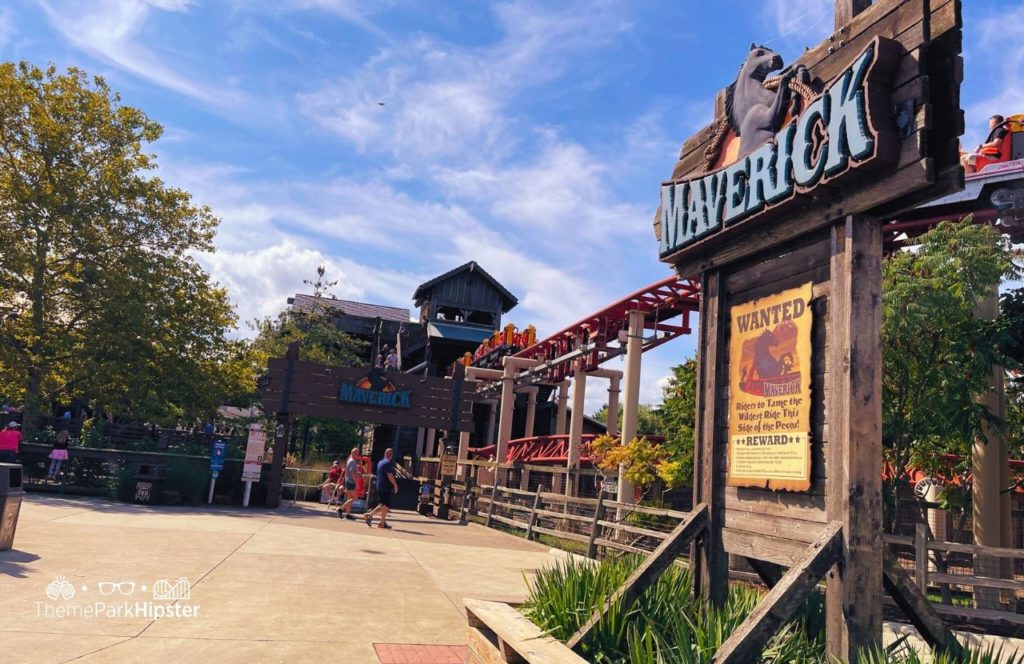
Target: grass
[{"x": 668, "y": 625}]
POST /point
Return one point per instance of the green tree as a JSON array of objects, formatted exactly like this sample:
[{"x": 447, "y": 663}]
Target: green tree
[
  {"x": 316, "y": 330},
  {"x": 647, "y": 422},
  {"x": 105, "y": 297},
  {"x": 678, "y": 415},
  {"x": 937, "y": 354}
]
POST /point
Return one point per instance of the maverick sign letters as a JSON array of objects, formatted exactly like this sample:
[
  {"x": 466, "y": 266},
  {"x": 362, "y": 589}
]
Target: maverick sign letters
[
  {"x": 837, "y": 131},
  {"x": 375, "y": 389}
]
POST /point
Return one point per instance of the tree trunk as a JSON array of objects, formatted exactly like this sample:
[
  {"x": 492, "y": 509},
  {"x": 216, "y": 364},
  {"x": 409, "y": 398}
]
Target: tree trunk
[{"x": 37, "y": 362}]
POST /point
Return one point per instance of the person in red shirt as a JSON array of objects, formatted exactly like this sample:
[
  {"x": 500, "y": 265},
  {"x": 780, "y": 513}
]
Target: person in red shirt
[
  {"x": 332, "y": 483},
  {"x": 10, "y": 439}
]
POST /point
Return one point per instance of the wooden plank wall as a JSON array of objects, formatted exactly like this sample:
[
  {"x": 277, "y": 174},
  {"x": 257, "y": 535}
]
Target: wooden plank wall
[
  {"x": 315, "y": 390},
  {"x": 758, "y": 523}
]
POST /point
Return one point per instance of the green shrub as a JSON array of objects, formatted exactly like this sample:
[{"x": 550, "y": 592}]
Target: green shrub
[{"x": 189, "y": 480}]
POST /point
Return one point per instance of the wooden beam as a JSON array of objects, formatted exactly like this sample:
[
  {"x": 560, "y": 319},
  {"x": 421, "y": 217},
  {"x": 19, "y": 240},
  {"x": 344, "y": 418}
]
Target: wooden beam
[
  {"x": 649, "y": 571},
  {"x": 779, "y": 605},
  {"x": 847, "y": 9},
  {"x": 770, "y": 573},
  {"x": 854, "y": 416},
  {"x": 709, "y": 563},
  {"x": 917, "y": 608}
]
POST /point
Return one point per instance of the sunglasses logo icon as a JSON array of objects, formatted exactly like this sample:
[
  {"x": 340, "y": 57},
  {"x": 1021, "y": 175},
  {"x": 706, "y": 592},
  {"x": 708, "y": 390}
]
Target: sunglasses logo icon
[{"x": 124, "y": 587}]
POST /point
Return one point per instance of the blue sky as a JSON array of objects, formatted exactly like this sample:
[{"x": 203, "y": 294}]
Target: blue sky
[{"x": 394, "y": 139}]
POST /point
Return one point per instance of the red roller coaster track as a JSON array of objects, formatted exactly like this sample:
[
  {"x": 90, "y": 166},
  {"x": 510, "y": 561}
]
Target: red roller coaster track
[{"x": 597, "y": 336}]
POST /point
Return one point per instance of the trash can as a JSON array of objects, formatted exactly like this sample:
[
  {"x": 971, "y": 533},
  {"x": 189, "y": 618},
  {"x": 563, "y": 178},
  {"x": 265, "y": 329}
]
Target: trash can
[
  {"x": 149, "y": 483},
  {"x": 426, "y": 499},
  {"x": 11, "y": 493}
]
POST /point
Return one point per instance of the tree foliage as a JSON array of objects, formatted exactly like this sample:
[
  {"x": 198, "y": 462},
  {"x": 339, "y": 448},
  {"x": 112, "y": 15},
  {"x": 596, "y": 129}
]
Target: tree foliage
[
  {"x": 101, "y": 295},
  {"x": 678, "y": 417},
  {"x": 647, "y": 421},
  {"x": 316, "y": 331},
  {"x": 938, "y": 354},
  {"x": 644, "y": 461}
]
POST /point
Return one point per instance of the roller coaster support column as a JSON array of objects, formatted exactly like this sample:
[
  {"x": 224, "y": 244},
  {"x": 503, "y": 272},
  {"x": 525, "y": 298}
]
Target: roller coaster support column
[
  {"x": 563, "y": 397},
  {"x": 531, "y": 416},
  {"x": 508, "y": 402},
  {"x": 990, "y": 467},
  {"x": 614, "y": 378},
  {"x": 473, "y": 373},
  {"x": 579, "y": 394},
  {"x": 631, "y": 399}
]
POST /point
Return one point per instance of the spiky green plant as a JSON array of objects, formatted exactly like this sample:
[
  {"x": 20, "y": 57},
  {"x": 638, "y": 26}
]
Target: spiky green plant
[{"x": 667, "y": 625}]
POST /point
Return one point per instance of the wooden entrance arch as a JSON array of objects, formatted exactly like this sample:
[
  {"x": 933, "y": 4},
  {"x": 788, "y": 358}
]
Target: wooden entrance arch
[{"x": 294, "y": 387}]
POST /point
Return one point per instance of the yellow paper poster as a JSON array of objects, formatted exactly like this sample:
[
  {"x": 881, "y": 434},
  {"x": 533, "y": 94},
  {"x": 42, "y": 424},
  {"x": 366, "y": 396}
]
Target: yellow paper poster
[{"x": 770, "y": 391}]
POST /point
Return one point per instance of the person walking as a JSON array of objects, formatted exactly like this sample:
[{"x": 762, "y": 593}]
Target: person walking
[
  {"x": 10, "y": 439},
  {"x": 351, "y": 482},
  {"x": 387, "y": 486},
  {"x": 58, "y": 455}
]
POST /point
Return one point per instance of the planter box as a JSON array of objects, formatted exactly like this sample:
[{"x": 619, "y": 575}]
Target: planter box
[{"x": 498, "y": 633}]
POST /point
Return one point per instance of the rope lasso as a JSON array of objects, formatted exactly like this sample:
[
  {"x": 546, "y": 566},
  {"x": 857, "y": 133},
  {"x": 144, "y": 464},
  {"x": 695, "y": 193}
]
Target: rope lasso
[{"x": 711, "y": 152}]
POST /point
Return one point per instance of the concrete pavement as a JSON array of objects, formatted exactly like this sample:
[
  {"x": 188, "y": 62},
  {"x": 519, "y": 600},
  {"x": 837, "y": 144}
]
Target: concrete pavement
[{"x": 96, "y": 581}]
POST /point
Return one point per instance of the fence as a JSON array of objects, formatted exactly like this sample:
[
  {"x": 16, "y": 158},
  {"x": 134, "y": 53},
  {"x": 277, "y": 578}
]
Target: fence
[
  {"x": 948, "y": 574},
  {"x": 112, "y": 473},
  {"x": 597, "y": 526}
]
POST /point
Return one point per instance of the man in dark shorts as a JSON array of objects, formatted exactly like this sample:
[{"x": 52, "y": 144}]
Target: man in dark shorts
[
  {"x": 351, "y": 478},
  {"x": 989, "y": 151},
  {"x": 386, "y": 487}
]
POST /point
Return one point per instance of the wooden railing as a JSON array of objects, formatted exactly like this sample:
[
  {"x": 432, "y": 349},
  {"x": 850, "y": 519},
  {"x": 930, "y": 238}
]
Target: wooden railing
[
  {"x": 958, "y": 593},
  {"x": 599, "y": 525}
]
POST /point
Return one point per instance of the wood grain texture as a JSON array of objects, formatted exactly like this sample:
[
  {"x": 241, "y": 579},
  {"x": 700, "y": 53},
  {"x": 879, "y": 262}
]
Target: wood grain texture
[
  {"x": 746, "y": 643},
  {"x": 854, "y": 497}
]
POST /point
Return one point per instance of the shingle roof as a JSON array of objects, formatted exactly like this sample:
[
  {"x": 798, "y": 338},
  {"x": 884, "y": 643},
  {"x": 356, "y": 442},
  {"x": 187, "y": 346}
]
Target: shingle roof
[
  {"x": 508, "y": 298},
  {"x": 350, "y": 308}
]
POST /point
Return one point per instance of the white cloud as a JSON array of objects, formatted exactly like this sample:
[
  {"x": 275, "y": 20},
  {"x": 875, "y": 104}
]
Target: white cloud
[
  {"x": 560, "y": 193},
  {"x": 994, "y": 56},
  {"x": 441, "y": 100},
  {"x": 799, "y": 23},
  {"x": 109, "y": 30}
]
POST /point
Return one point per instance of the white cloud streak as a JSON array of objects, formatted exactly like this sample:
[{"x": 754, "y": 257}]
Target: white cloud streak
[{"x": 109, "y": 30}]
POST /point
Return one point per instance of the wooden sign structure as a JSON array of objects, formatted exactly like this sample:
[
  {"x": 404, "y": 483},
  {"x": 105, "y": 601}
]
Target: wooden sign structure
[
  {"x": 360, "y": 394},
  {"x": 785, "y": 190}
]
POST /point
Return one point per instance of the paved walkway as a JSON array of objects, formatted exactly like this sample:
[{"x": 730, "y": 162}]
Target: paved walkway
[{"x": 293, "y": 585}]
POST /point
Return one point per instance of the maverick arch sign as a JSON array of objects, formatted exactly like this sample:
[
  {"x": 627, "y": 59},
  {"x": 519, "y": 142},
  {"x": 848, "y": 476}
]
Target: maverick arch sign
[{"x": 779, "y": 206}]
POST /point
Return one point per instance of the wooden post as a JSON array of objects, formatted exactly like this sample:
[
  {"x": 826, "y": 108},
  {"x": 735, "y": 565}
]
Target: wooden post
[
  {"x": 710, "y": 564},
  {"x": 854, "y": 417},
  {"x": 494, "y": 499},
  {"x": 916, "y": 607},
  {"x": 533, "y": 516},
  {"x": 745, "y": 644},
  {"x": 466, "y": 502},
  {"x": 649, "y": 570},
  {"x": 847, "y": 9},
  {"x": 595, "y": 528},
  {"x": 921, "y": 558},
  {"x": 276, "y": 476}
]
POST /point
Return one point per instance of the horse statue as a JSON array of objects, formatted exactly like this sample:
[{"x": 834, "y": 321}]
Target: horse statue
[{"x": 755, "y": 111}]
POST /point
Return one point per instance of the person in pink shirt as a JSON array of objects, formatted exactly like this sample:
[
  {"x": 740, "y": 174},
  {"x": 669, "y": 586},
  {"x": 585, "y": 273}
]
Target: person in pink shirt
[{"x": 10, "y": 439}]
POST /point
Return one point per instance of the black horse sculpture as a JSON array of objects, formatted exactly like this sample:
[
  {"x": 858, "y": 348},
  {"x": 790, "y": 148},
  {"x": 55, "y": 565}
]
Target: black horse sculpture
[{"x": 755, "y": 113}]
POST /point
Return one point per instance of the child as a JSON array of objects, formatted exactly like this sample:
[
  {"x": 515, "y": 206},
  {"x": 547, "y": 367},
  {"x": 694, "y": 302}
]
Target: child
[{"x": 58, "y": 455}]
